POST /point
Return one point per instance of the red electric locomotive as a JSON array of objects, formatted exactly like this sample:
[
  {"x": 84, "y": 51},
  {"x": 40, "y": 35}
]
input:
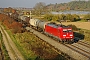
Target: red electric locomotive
[{"x": 61, "y": 32}]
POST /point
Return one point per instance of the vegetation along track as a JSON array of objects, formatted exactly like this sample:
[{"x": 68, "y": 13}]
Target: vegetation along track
[
  {"x": 1, "y": 54},
  {"x": 70, "y": 49},
  {"x": 10, "y": 46}
]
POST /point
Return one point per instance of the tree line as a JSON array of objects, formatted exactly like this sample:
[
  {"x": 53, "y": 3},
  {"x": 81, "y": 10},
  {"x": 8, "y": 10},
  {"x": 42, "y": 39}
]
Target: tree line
[
  {"x": 42, "y": 9},
  {"x": 73, "y": 5},
  {"x": 66, "y": 17}
]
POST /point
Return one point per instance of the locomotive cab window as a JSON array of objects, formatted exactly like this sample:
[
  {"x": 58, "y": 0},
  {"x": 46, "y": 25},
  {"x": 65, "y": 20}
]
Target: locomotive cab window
[
  {"x": 64, "y": 30},
  {"x": 67, "y": 30}
]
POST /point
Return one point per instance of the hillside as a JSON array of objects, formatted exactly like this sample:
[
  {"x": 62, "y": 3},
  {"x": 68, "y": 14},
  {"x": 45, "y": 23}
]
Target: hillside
[{"x": 73, "y": 5}]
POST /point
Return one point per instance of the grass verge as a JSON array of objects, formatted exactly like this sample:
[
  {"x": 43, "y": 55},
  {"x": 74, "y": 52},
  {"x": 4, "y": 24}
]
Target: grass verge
[{"x": 5, "y": 55}]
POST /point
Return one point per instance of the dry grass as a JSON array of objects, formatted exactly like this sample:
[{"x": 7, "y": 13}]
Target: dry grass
[{"x": 83, "y": 25}]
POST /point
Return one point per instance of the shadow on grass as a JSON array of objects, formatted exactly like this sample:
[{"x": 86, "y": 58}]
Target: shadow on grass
[{"x": 78, "y": 36}]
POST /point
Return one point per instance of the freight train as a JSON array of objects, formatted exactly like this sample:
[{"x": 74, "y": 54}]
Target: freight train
[
  {"x": 60, "y": 32},
  {"x": 20, "y": 18}
]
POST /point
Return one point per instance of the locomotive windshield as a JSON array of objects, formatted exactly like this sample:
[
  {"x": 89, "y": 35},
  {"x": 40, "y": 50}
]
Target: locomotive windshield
[{"x": 67, "y": 30}]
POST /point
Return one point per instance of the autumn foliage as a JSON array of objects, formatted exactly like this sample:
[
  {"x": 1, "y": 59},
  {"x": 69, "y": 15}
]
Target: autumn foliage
[
  {"x": 10, "y": 23},
  {"x": 9, "y": 10}
]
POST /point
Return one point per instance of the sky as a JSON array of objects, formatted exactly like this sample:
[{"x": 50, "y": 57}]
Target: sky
[{"x": 27, "y": 3}]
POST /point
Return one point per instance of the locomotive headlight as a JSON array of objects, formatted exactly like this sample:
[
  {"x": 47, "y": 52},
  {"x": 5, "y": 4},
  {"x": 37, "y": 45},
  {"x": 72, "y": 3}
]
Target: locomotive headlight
[
  {"x": 71, "y": 35},
  {"x": 64, "y": 35}
]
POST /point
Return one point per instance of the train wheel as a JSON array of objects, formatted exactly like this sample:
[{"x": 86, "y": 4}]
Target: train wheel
[
  {"x": 58, "y": 40},
  {"x": 62, "y": 41},
  {"x": 70, "y": 42}
]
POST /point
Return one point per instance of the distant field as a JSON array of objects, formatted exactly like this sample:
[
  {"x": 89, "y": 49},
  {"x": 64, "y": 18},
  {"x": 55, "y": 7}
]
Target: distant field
[{"x": 83, "y": 25}]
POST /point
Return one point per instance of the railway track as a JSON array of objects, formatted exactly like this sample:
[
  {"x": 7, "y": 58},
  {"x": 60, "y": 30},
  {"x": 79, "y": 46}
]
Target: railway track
[
  {"x": 76, "y": 50},
  {"x": 13, "y": 52},
  {"x": 80, "y": 50},
  {"x": 84, "y": 44}
]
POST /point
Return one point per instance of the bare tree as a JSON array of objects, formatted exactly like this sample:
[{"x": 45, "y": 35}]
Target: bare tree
[{"x": 39, "y": 8}]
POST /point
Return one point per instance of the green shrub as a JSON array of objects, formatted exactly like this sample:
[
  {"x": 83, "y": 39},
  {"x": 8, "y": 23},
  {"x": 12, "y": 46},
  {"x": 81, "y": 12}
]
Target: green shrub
[{"x": 73, "y": 27}]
